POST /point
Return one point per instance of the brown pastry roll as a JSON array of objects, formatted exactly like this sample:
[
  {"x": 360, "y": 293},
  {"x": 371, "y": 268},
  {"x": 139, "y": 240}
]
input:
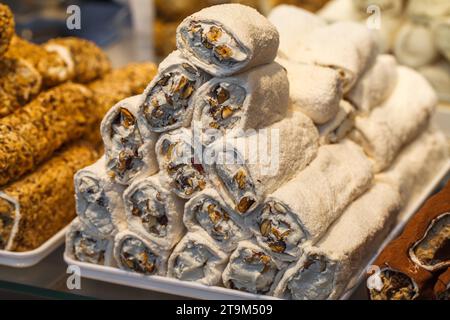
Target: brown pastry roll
[
  {"x": 164, "y": 33},
  {"x": 89, "y": 61},
  {"x": 35, "y": 207},
  {"x": 409, "y": 263},
  {"x": 31, "y": 135},
  {"x": 19, "y": 83},
  {"x": 442, "y": 286},
  {"x": 6, "y": 28},
  {"x": 173, "y": 10}
]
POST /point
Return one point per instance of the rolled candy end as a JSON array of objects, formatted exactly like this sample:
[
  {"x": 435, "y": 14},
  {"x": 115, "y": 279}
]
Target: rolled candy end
[
  {"x": 167, "y": 103},
  {"x": 135, "y": 255},
  {"x": 313, "y": 280},
  {"x": 211, "y": 43},
  {"x": 7, "y": 221},
  {"x": 88, "y": 248},
  {"x": 433, "y": 250},
  {"x": 279, "y": 230},
  {"x": 189, "y": 263},
  {"x": 6, "y": 28},
  {"x": 395, "y": 286},
  {"x": 250, "y": 270},
  {"x": 150, "y": 206},
  {"x": 186, "y": 176}
]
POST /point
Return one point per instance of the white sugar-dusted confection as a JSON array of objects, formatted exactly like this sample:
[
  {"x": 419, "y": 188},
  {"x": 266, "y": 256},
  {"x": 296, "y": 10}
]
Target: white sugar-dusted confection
[
  {"x": 398, "y": 120},
  {"x": 98, "y": 200},
  {"x": 250, "y": 100},
  {"x": 209, "y": 212},
  {"x": 442, "y": 37},
  {"x": 246, "y": 168},
  {"x": 293, "y": 23},
  {"x": 167, "y": 102},
  {"x": 129, "y": 144},
  {"x": 84, "y": 244},
  {"x": 136, "y": 253},
  {"x": 227, "y": 39},
  {"x": 154, "y": 212},
  {"x": 375, "y": 85},
  {"x": 337, "y": 128},
  {"x": 252, "y": 269},
  {"x": 314, "y": 90},
  {"x": 180, "y": 163},
  {"x": 417, "y": 164},
  {"x": 302, "y": 209},
  {"x": 324, "y": 270},
  {"x": 340, "y": 10},
  {"x": 348, "y": 47},
  {"x": 414, "y": 45},
  {"x": 197, "y": 258}
]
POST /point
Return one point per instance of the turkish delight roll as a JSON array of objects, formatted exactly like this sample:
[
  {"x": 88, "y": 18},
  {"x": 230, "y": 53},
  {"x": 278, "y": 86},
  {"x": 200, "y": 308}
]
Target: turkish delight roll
[
  {"x": 293, "y": 24},
  {"x": 55, "y": 117},
  {"x": 168, "y": 96},
  {"x": 98, "y": 200},
  {"x": 6, "y": 28},
  {"x": 442, "y": 287},
  {"x": 337, "y": 128},
  {"x": 348, "y": 47},
  {"x": 129, "y": 145},
  {"x": 250, "y": 100},
  {"x": 89, "y": 61},
  {"x": 416, "y": 165},
  {"x": 38, "y": 205},
  {"x": 180, "y": 163},
  {"x": 314, "y": 90},
  {"x": 303, "y": 208},
  {"x": 227, "y": 39},
  {"x": 197, "y": 258},
  {"x": 252, "y": 269},
  {"x": 54, "y": 68},
  {"x": 138, "y": 254},
  {"x": 398, "y": 120},
  {"x": 209, "y": 212},
  {"x": 376, "y": 84},
  {"x": 409, "y": 264},
  {"x": 154, "y": 212},
  {"x": 245, "y": 169},
  {"x": 325, "y": 270},
  {"x": 85, "y": 245},
  {"x": 19, "y": 83}
]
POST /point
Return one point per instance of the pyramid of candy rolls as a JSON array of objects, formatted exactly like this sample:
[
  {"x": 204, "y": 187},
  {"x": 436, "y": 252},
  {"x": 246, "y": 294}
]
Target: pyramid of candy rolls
[
  {"x": 52, "y": 98},
  {"x": 180, "y": 192}
]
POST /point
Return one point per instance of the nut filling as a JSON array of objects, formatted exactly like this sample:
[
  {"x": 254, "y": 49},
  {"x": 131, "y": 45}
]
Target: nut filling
[
  {"x": 136, "y": 256},
  {"x": 7, "y": 212},
  {"x": 434, "y": 248},
  {"x": 238, "y": 183},
  {"x": 89, "y": 249},
  {"x": 222, "y": 106},
  {"x": 445, "y": 295},
  {"x": 279, "y": 229},
  {"x": 187, "y": 176},
  {"x": 125, "y": 160},
  {"x": 396, "y": 286},
  {"x": 191, "y": 262},
  {"x": 96, "y": 212},
  {"x": 212, "y": 44},
  {"x": 252, "y": 271},
  {"x": 150, "y": 206},
  {"x": 215, "y": 220},
  {"x": 313, "y": 281},
  {"x": 166, "y": 104}
]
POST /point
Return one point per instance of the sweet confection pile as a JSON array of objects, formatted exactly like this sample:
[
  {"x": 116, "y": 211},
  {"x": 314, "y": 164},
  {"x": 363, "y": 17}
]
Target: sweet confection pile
[{"x": 351, "y": 141}]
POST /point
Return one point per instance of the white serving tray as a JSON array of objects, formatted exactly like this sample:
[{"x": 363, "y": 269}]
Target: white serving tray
[
  {"x": 199, "y": 291},
  {"x": 30, "y": 258}
]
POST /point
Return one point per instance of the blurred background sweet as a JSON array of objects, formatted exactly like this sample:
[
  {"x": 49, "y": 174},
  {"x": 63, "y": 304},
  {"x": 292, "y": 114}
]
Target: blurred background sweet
[{"x": 417, "y": 32}]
